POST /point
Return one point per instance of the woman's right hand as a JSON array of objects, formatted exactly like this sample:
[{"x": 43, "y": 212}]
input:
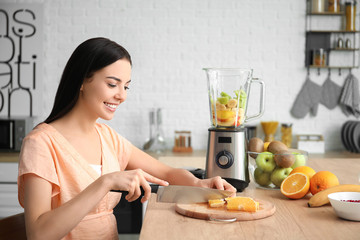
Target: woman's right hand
[{"x": 131, "y": 181}]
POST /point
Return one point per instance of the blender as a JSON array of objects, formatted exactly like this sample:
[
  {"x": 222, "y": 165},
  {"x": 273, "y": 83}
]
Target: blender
[{"x": 229, "y": 90}]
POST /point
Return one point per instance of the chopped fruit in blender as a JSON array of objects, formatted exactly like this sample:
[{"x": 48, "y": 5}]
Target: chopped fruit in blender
[
  {"x": 231, "y": 103},
  {"x": 242, "y": 98},
  {"x": 225, "y": 115},
  {"x": 229, "y": 111},
  {"x": 223, "y": 100},
  {"x": 224, "y": 94},
  {"x": 220, "y": 106}
]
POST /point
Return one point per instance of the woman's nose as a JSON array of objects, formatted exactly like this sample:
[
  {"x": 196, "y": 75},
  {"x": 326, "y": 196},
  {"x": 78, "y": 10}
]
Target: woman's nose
[{"x": 121, "y": 95}]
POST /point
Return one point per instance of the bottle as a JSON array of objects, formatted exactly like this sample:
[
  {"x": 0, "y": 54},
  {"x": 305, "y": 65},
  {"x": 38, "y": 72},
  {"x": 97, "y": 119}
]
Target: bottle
[
  {"x": 350, "y": 15},
  {"x": 318, "y": 6},
  {"x": 286, "y": 134},
  {"x": 334, "y": 6}
]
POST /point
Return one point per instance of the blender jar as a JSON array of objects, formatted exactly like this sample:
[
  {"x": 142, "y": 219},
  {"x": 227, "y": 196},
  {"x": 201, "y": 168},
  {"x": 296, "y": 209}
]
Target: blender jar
[{"x": 229, "y": 90}]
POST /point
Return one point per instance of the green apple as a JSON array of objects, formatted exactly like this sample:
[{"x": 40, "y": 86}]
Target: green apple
[
  {"x": 261, "y": 177},
  {"x": 279, "y": 174},
  {"x": 265, "y": 161},
  {"x": 300, "y": 160}
]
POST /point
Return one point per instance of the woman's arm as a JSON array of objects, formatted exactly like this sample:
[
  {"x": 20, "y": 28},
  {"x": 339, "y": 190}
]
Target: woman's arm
[
  {"x": 42, "y": 222},
  {"x": 174, "y": 176}
]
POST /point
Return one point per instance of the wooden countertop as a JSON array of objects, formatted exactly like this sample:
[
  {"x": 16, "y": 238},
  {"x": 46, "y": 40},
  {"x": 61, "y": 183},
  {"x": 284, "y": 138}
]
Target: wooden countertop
[{"x": 293, "y": 219}]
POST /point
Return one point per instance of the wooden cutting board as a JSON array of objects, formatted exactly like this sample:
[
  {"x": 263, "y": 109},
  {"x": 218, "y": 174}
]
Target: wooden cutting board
[{"x": 203, "y": 211}]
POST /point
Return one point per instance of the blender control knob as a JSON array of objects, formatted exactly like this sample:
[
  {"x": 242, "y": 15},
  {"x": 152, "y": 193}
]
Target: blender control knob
[{"x": 224, "y": 159}]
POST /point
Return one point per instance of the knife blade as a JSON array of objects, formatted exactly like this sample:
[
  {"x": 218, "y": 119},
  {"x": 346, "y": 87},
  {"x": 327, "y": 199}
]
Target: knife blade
[
  {"x": 189, "y": 194},
  {"x": 185, "y": 194}
]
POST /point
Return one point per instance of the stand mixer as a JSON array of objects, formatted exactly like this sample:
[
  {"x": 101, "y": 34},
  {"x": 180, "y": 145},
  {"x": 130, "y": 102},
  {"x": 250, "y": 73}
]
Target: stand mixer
[{"x": 229, "y": 90}]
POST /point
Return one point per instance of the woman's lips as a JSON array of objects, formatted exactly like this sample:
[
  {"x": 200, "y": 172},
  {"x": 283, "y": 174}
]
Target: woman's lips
[{"x": 112, "y": 107}]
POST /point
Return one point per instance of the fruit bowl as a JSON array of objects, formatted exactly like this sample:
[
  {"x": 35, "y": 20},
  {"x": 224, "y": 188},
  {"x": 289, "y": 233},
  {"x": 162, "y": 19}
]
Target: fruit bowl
[
  {"x": 346, "y": 205},
  {"x": 266, "y": 173}
]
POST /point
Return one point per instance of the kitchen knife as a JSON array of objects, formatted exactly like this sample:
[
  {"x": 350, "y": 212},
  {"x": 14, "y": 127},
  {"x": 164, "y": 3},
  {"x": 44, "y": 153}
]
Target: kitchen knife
[{"x": 185, "y": 194}]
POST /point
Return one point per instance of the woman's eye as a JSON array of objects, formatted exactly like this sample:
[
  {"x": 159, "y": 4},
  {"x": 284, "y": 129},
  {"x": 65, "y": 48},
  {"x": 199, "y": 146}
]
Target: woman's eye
[
  {"x": 126, "y": 88},
  {"x": 111, "y": 85}
]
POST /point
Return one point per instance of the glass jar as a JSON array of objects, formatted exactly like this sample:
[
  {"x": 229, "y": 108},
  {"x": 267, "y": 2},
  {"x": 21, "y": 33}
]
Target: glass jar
[
  {"x": 350, "y": 15},
  {"x": 286, "y": 134},
  {"x": 318, "y": 6},
  {"x": 319, "y": 57},
  {"x": 334, "y": 6}
]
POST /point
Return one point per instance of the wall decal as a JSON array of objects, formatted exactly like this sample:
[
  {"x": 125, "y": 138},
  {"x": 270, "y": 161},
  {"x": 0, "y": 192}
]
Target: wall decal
[{"x": 21, "y": 56}]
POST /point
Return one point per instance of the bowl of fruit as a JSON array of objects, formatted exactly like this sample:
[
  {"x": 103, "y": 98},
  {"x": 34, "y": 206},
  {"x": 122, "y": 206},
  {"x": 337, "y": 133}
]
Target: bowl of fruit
[{"x": 271, "y": 163}]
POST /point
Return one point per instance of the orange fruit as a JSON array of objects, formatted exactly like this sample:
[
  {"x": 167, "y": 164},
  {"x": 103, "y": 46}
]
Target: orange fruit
[
  {"x": 216, "y": 203},
  {"x": 322, "y": 180},
  {"x": 308, "y": 171},
  {"x": 295, "y": 186},
  {"x": 246, "y": 204}
]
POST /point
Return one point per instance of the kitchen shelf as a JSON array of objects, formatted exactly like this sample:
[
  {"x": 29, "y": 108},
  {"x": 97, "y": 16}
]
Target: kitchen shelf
[
  {"x": 326, "y": 14},
  {"x": 326, "y": 40},
  {"x": 333, "y": 67},
  {"x": 332, "y": 31},
  {"x": 344, "y": 49}
]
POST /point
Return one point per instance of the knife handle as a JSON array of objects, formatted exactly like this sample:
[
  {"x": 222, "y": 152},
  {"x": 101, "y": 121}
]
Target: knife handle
[{"x": 154, "y": 189}]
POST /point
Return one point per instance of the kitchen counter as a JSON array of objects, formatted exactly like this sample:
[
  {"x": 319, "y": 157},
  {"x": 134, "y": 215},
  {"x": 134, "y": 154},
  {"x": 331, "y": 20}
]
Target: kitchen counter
[{"x": 293, "y": 219}]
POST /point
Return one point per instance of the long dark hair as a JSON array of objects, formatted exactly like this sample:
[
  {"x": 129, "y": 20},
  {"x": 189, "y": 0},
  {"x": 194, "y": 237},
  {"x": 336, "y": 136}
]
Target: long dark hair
[{"x": 89, "y": 57}]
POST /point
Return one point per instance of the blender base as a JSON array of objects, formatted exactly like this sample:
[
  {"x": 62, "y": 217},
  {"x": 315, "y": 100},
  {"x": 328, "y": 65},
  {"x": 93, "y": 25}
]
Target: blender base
[{"x": 240, "y": 185}]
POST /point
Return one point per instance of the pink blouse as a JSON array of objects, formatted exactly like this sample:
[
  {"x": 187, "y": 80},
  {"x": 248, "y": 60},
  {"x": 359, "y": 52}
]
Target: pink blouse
[{"x": 47, "y": 154}]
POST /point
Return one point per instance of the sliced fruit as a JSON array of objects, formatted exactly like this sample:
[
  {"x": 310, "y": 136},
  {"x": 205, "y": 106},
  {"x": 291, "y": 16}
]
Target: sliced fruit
[
  {"x": 295, "y": 186},
  {"x": 223, "y": 100},
  {"x": 225, "y": 115},
  {"x": 246, "y": 204},
  {"x": 215, "y": 203}
]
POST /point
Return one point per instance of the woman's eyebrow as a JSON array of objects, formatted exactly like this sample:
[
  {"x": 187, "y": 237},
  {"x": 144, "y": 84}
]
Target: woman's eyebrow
[{"x": 117, "y": 79}]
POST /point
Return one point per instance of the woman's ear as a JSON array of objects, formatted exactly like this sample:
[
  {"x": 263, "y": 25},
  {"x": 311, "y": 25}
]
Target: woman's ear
[{"x": 82, "y": 87}]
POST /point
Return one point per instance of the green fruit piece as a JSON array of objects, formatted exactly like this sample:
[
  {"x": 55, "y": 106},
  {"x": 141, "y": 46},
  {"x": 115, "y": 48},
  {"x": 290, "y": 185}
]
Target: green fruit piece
[
  {"x": 262, "y": 178},
  {"x": 223, "y": 100},
  {"x": 224, "y": 94},
  {"x": 265, "y": 161},
  {"x": 300, "y": 160},
  {"x": 279, "y": 174}
]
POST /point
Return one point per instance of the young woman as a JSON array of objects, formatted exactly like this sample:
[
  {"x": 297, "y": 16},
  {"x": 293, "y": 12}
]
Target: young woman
[{"x": 69, "y": 163}]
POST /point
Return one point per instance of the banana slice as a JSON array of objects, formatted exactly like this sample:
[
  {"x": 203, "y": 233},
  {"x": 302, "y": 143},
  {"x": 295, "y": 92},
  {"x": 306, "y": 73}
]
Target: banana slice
[
  {"x": 232, "y": 103},
  {"x": 221, "y": 107}
]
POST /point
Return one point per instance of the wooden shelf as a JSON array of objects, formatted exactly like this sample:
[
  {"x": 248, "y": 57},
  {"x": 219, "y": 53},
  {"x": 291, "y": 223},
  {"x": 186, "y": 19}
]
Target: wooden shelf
[
  {"x": 344, "y": 49},
  {"x": 333, "y": 67},
  {"x": 331, "y": 31},
  {"x": 326, "y": 13}
]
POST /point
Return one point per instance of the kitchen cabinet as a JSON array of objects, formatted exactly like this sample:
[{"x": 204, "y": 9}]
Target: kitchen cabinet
[
  {"x": 9, "y": 204},
  {"x": 323, "y": 31}
]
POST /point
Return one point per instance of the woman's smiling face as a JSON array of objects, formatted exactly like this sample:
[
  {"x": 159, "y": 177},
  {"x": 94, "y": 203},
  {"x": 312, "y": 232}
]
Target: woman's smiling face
[{"x": 102, "y": 93}]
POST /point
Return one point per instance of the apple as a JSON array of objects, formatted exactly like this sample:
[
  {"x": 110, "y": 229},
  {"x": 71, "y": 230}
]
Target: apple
[
  {"x": 300, "y": 160},
  {"x": 279, "y": 174},
  {"x": 265, "y": 161},
  {"x": 261, "y": 177}
]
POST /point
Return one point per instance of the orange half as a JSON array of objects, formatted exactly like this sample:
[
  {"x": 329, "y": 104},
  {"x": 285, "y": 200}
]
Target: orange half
[
  {"x": 295, "y": 186},
  {"x": 246, "y": 204}
]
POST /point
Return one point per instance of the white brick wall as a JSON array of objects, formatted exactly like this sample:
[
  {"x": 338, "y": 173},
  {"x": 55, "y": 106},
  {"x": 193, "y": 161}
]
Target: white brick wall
[{"x": 171, "y": 41}]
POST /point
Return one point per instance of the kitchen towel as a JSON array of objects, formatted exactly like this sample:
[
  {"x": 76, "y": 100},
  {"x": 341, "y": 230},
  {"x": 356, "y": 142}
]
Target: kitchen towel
[
  {"x": 307, "y": 99},
  {"x": 330, "y": 94},
  {"x": 349, "y": 99}
]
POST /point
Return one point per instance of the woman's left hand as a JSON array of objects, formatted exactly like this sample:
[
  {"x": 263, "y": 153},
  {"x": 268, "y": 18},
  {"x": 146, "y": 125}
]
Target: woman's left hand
[{"x": 218, "y": 183}]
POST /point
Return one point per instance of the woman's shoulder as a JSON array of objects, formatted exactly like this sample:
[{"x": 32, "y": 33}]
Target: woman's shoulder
[{"x": 41, "y": 131}]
